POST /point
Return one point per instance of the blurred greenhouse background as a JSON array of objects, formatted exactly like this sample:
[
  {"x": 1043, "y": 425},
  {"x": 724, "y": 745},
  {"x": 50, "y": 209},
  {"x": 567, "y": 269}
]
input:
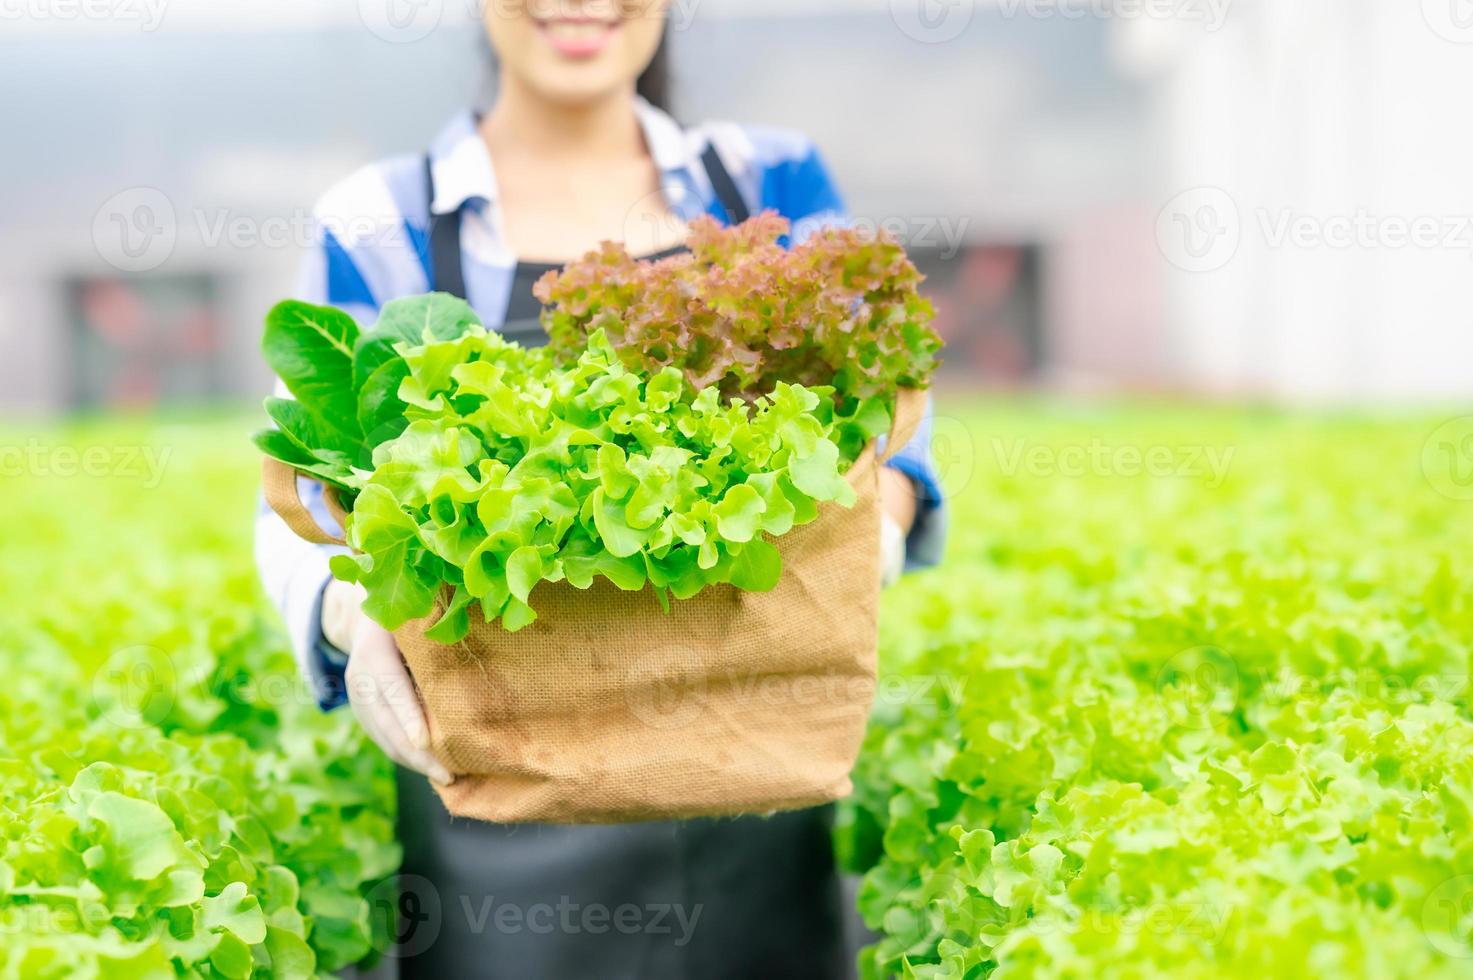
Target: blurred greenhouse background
[
  {"x": 1259, "y": 199},
  {"x": 1245, "y": 202}
]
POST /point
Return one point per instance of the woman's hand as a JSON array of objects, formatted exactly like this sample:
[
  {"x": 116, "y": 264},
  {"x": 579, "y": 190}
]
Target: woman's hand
[
  {"x": 892, "y": 551},
  {"x": 897, "y": 515},
  {"x": 384, "y": 698}
]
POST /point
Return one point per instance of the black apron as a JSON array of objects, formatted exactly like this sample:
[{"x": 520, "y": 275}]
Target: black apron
[{"x": 746, "y": 897}]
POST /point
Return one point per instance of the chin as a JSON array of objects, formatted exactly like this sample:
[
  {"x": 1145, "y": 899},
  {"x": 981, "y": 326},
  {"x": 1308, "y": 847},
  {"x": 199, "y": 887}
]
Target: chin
[{"x": 569, "y": 91}]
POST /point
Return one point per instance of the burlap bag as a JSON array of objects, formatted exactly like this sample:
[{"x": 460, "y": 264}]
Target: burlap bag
[{"x": 610, "y": 709}]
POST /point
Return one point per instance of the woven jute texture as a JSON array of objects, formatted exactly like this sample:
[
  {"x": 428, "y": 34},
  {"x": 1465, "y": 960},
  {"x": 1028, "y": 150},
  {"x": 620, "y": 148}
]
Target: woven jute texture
[{"x": 610, "y": 709}]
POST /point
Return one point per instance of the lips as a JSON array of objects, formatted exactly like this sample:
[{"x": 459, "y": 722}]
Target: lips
[{"x": 578, "y": 37}]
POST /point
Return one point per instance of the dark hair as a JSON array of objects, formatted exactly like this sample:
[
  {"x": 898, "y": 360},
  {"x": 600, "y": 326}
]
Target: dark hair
[{"x": 654, "y": 84}]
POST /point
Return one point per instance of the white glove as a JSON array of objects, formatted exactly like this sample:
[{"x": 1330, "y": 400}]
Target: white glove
[
  {"x": 892, "y": 550},
  {"x": 384, "y": 698}
]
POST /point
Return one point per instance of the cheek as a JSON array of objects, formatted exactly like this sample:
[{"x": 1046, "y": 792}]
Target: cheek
[
  {"x": 641, "y": 38},
  {"x": 513, "y": 34}
]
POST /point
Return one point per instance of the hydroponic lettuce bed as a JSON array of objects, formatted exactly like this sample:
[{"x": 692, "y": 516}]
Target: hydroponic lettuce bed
[
  {"x": 171, "y": 801},
  {"x": 1189, "y": 697}
]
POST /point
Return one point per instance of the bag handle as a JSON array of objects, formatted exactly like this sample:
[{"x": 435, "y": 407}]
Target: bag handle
[
  {"x": 279, "y": 486},
  {"x": 910, "y": 411}
]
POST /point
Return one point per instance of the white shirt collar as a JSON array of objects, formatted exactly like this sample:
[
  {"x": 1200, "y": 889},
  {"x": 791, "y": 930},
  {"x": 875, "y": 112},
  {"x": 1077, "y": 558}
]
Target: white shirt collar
[
  {"x": 464, "y": 172},
  {"x": 664, "y": 137}
]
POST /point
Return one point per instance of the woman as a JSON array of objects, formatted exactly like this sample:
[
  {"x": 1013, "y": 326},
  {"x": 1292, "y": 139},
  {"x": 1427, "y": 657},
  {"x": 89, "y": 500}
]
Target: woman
[{"x": 582, "y": 155}]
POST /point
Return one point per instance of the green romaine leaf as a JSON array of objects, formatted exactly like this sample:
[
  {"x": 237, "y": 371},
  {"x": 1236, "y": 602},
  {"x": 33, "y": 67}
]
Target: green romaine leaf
[
  {"x": 278, "y": 445},
  {"x": 380, "y": 410},
  {"x": 411, "y": 321},
  {"x": 311, "y": 349}
]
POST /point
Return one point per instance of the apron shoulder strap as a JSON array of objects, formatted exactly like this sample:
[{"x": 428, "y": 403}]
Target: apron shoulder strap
[
  {"x": 727, "y": 194},
  {"x": 446, "y": 264},
  {"x": 446, "y": 268}
]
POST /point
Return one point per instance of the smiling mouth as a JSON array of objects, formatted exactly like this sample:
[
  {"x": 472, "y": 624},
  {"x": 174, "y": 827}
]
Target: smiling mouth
[{"x": 578, "y": 37}]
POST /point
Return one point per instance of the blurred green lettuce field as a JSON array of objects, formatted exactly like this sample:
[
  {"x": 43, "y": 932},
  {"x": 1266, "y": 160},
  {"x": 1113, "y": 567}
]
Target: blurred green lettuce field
[
  {"x": 1188, "y": 698},
  {"x": 1188, "y": 723},
  {"x": 171, "y": 800}
]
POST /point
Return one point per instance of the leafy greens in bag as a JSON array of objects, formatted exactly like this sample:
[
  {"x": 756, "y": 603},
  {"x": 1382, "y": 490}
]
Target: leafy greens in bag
[{"x": 476, "y": 468}]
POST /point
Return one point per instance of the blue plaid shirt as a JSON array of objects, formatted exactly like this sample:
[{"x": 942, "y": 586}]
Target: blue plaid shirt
[{"x": 372, "y": 247}]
